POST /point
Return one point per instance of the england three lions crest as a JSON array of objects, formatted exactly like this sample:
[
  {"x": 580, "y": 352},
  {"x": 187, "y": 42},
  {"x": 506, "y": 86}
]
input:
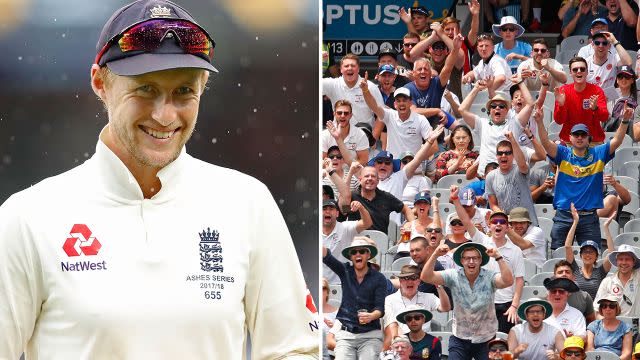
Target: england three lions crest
[{"x": 210, "y": 251}]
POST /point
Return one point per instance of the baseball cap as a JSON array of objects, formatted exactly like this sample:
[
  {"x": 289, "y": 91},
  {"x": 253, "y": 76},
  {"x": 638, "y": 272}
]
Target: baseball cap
[
  {"x": 419, "y": 10},
  {"x": 330, "y": 202},
  {"x": 404, "y": 154},
  {"x": 385, "y": 155},
  {"x": 599, "y": 34},
  {"x": 422, "y": 196},
  {"x": 386, "y": 68},
  {"x": 591, "y": 243},
  {"x": 599, "y": 20},
  {"x": 467, "y": 197},
  {"x": 159, "y": 34},
  {"x": 388, "y": 51},
  {"x": 402, "y": 91},
  {"x": 579, "y": 127},
  {"x": 626, "y": 69}
]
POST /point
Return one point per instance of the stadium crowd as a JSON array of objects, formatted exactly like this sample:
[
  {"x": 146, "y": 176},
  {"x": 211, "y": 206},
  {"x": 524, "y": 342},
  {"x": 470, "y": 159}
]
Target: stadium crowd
[{"x": 479, "y": 195}]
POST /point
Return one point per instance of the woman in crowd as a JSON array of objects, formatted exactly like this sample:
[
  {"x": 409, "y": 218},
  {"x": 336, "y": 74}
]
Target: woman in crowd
[
  {"x": 609, "y": 333},
  {"x": 460, "y": 155}
]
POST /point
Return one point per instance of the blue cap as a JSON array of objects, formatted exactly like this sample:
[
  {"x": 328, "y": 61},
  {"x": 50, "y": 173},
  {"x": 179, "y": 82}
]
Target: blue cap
[
  {"x": 386, "y": 156},
  {"x": 580, "y": 127},
  {"x": 386, "y": 68},
  {"x": 599, "y": 20},
  {"x": 467, "y": 196},
  {"x": 591, "y": 243},
  {"x": 422, "y": 196}
]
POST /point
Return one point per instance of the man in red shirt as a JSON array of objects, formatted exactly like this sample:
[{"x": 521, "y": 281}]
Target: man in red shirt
[{"x": 580, "y": 102}]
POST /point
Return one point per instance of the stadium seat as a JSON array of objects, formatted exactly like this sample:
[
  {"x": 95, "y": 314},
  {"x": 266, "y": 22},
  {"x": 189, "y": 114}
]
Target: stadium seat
[
  {"x": 454, "y": 179},
  {"x": 634, "y": 56},
  {"x": 538, "y": 279},
  {"x": 549, "y": 264},
  {"x": 601, "y": 355},
  {"x": 335, "y": 293},
  {"x": 445, "y": 210},
  {"x": 398, "y": 264},
  {"x": 627, "y": 141},
  {"x": 624, "y": 154},
  {"x": 443, "y": 336},
  {"x": 560, "y": 253},
  {"x": 546, "y": 225},
  {"x": 633, "y": 322},
  {"x": 630, "y": 168},
  {"x": 529, "y": 292},
  {"x": 633, "y": 205},
  {"x": 554, "y": 127},
  {"x": 614, "y": 228},
  {"x": 382, "y": 243},
  {"x": 545, "y": 211},
  {"x": 439, "y": 321},
  {"x": 629, "y": 183},
  {"x": 443, "y": 194},
  {"x": 530, "y": 269},
  {"x": 574, "y": 42},
  {"x": 632, "y": 226}
]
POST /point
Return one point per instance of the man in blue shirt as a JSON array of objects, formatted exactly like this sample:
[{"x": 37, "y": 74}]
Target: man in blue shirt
[
  {"x": 363, "y": 293},
  {"x": 580, "y": 178}
]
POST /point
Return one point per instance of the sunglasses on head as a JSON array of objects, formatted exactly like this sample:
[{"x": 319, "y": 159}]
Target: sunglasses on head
[
  {"x": 578, "y": 69},
  {"x": 345, "y": 113},
  {"x": 433, "y": 230},
  {"x": 608, "y": 305},
  {"x": 501, "y": 106},
  {"x": 499, "y": 221},
  {"x": 335, "y": 156},
  {"x": 600, "y": 42},
  {"x": 386, "y": 162},
  {"x": 508, "y": 28},
  {"x": 358, "y": 251},
  {"x": 148, "y": 36},
  {"x": 500, "y": 153},
  {"x": 417, "y": 317},
  {"x": 497, "y": 348},
  {"x": 410, "y": 278},
  {"x": 573, "y": 352},
  {"x": 541, "y": 51},
  {"x": 409, "y": 44}
]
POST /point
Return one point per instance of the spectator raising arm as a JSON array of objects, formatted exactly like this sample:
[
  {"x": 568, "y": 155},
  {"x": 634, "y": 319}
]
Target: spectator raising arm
[
  {"x": 469, "y": 117},
  {"x": 627, "y": 114},
  {"x": 369, "y": 99},
  {"x": 365, "y": 221},
  {"x": 625, "y": 59},
  {"x": 474, "y": 9},
  {"x": 549, "y": 146}
]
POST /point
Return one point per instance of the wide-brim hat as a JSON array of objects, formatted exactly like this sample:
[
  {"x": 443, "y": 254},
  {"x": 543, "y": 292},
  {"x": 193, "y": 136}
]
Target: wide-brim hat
[
  {"x": 507, "y": 20},
  {"x": 498, "y": 97},
  {"x": 519, "y": 214},
  {"x": 522, "y": 309},
  {"x": 458, "y": 253},
  {"x": 560, "y": 283},
  {"x": 359, "y": 242},
  {"x": 414, "y": 309},
  {"x": 624, "y": 248},
  {"x": 572, "y": 342},
  {"x": 368, "y": 130}
]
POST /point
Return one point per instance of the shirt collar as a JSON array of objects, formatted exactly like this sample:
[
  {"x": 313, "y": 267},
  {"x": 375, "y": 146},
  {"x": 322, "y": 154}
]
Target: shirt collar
[{"x": 489, "y": 58}]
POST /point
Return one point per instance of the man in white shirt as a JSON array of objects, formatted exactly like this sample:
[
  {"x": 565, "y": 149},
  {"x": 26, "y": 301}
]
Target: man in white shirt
[
  {"x": 625, "y": 283},
  {"x": 491, "y": 67},
  {"x": 534, "y": 339},
  {"x": 144, "y": 251},
  {"x": 565, "y": 317},
  {"x": 507, "y": 299},
  {"x": 540, "y": 61},
  {"x": 597, "y": 25},
  {"x": 409, "y": 295},
  {"x": 338, "y": 235},
  {"x": 602, "y": 63},
  {"x": 529, "y": 238},
  {"x": 347, "y": 87},
  {"x": 351, "y": 140}
]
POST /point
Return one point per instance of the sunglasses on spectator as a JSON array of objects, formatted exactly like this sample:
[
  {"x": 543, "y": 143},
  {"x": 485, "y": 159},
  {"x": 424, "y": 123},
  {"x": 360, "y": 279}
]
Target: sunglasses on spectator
[
  {"x": 600, "y": 43},
  {"x": 558, "y": 291},
  {"x": 573, "y": 352},
  {"x": 456, "y": 223},
  {"x": 471, "y": 258},
  {"x": 358, "y": 251},
  {"x": 578, "y": 69},
  {"x": 501, "y": 106},
  {"x": 345, "y": 113},
  {"x": 499, "y": 221},
  {"x": 409, "y": 44},
  {"x": 636, "y": 356},
  {"x": 148, "y": 36},
  {"x": 580, "y": 134},
  {"x": 408, "y": 318},
  {"x": 439, "y": 47},
  {"x": 406, "y": 161},
  {"x": 433, "y": 230},
  {"x": 608, "y": 305},
  {"x": 386, "y": 162},
  {"x": 507, "y": 153},
  {"x": 508, "y": 28},
  {"x": 541, "y": 51},
  {"x": 410, "y": 278},
  {"x": 497, "y": 348},
  {"x": 335, "y": 156}
]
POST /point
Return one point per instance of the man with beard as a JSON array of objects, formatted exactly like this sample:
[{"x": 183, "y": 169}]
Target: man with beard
[
  {"x": 625, "y": 282},
  {"x": 580, "y": 102},
  {"x": 623, "y": 17},
  {"x": 540, "y": 61},
  {"x": 491, "y": 67},
  {"x": 565, "y": 317},
  {"x": 363, "y": 293},
  {"x": 508, "y": 186},
  {"x": 473, "y": 289},
  {"x": 534, "y": 339},
  {"x": 507, "y": 299},
  {"x": 336, "y": 235},
  {"x": 579, "y": 179},
  {"x": 493, "y": 128},
  {"x": 351, "y": 141},
  {"x": 407, "y": 296},
  {"x": 604, "y": 61},
  {"x": 424, "y": 346},
  {"x": 347, "y": 87}
]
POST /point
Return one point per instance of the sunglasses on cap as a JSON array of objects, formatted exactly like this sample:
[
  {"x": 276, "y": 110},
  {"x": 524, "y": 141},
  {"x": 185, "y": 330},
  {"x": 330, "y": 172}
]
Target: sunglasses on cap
[
  {"x": 148, "y": 36},
  {"x": 495, "y": 105},
  {"x": 335, "y": 156},
  {"x": 358, "y": 251},
  {"x": 573, "y": 352},
  {"x": 417, "y": 317}
]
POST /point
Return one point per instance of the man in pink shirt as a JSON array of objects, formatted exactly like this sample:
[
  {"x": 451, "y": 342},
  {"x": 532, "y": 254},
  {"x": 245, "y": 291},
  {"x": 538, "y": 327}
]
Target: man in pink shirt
[{"x": 580, "y": 102}]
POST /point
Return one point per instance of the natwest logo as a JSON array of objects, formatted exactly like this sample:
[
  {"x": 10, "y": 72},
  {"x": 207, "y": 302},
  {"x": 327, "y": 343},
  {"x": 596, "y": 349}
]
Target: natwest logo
[{"x": 81, "y": 242}]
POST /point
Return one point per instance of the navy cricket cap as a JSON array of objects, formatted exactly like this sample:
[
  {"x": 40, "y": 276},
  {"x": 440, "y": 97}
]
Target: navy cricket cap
[{"x": 169, "y": 55}]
